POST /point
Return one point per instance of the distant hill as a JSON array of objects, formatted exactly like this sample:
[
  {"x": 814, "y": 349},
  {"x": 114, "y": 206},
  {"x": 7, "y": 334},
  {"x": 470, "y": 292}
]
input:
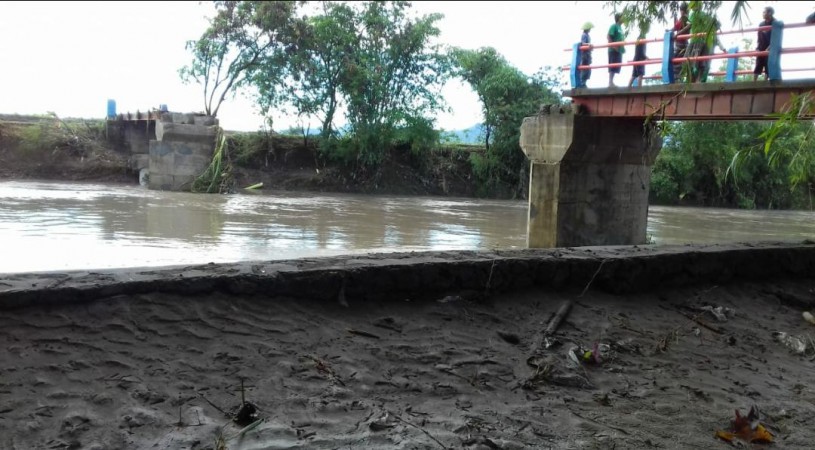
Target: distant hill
[{"x": 472, "y": 135}]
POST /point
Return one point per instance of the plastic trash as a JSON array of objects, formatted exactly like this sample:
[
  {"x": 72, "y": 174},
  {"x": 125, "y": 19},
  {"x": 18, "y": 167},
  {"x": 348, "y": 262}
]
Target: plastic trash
[
  {"x": 595, "y": 355},
  {"x": 809, "y": 317},
  {"x": 794, "y": 343},
  {"x": 721, "y": 313}
]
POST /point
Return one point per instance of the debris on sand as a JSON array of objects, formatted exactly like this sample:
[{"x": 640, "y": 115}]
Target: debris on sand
[
  {"x": 794, "y": 343},
  {"x": 746, "y": 429},
  {"x": 596, "y": 355},
  {"x": 721, "y": 313}
]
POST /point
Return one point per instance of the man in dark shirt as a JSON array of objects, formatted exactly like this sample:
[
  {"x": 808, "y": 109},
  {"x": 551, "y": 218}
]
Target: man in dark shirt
[
  {"x": 763, "y": 44},
  {"x": 639, "y": 55},
  {"x": 585, "y": 56}
]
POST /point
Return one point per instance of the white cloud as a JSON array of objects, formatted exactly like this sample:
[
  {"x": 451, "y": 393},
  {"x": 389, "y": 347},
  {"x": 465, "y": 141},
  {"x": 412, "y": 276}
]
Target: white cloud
[{"x": 71, "y": 57}]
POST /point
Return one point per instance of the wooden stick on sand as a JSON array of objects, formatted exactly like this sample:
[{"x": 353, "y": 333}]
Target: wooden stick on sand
[
  {"x": 553, "y": 325},
  {"x": 561, "y": 314}
]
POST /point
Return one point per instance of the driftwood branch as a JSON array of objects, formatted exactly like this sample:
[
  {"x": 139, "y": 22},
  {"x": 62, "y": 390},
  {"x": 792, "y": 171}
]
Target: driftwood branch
[
  {"x": 553, "y": 325},
  {"x": 561, "y": 314}
]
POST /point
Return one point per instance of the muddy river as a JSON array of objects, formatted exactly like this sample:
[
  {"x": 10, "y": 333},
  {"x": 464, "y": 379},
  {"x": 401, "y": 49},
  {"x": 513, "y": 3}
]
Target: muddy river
[{"x": 48, "y": 226}]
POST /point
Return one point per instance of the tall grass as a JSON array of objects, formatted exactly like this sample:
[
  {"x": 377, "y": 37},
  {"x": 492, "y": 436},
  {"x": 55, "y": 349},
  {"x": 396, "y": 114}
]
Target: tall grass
[{"x": 217, "y": 178}]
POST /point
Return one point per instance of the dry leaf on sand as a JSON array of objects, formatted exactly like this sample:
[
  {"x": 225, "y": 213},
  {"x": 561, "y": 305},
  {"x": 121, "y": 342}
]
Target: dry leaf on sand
[{"x": 746, "y": 429}]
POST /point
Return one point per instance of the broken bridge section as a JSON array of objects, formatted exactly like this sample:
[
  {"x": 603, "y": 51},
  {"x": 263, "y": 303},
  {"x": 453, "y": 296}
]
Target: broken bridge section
[
  {"x": 168, "y": 149},
  {"x": 182, "y": 150}
]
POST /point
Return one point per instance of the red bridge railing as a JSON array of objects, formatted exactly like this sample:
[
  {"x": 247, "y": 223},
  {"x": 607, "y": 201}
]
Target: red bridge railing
[{"x": 668, "y": 61}]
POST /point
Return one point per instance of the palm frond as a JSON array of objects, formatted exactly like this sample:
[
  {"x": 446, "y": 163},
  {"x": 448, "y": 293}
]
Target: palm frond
[{"x": 739, "y": 13}]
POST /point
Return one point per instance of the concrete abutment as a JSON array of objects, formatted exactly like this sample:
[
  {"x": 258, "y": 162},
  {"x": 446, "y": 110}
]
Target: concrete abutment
[
  {"x": 169, "y": 150},
  {"x": 182, "y": 150},
  {"x": 589, "y": 178}
]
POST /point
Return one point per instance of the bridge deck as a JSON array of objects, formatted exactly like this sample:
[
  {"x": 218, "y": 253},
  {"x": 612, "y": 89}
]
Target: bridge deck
[{"x": 705, "y": 101}]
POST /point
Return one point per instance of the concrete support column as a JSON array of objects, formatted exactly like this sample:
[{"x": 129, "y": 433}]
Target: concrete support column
[
  {"x": 589, "y": 179},
  {"x": 182, "y": 150},
  {"x": 545, "y": 139},
  {"x": 544, "y": 187}
]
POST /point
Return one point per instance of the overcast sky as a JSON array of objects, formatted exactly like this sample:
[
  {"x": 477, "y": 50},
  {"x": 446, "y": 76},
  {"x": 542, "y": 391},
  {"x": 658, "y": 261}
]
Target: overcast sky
[{"x": 71, "y": 57}]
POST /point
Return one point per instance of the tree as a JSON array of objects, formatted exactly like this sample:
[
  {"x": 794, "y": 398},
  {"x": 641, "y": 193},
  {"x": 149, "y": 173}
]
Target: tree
[
  {"x": 695, "y": 158},
  {"x": 478, "y": 68},
  {"x": 694, "y": 167},
  {"x": 391, "y": 77},
  {"x": 240, "y": 36},
  {"x": 641, "y": 14},
  {"x": 317, "y": 63},
  {"x": 789, "y": 142},
  {"x": 506, "y": 96}
]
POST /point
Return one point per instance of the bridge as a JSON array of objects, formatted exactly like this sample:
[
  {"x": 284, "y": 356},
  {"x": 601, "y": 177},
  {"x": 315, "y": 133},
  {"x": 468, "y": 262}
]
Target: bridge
[
  {"x": 590, "y": 162},
  {"x": 747, "y": 100}
]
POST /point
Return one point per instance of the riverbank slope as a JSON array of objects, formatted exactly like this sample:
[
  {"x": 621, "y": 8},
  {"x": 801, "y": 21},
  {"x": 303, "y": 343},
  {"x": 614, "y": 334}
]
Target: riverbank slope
[{"x": 50, "y": 148}]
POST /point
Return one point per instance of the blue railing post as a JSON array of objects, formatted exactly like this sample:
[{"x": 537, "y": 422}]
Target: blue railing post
[
  {"x": 667, "y": 55},
  {"x": 732, "y": 66},
  {"x": 574, "y": 74},
  {"x": 774, "y": 58}
]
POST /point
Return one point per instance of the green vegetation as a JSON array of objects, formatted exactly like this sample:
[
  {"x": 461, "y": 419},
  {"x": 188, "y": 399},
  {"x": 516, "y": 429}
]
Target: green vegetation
[
  {"x": 218, "y": 176},
  {"x": 695, "y": 167},
  {"x": 643, "y": 14},
  {"x": 791, "y": 142},
  {"x": 373, "y": 63},
  {"x": 51, "y": 135},
  {"x": 507, "y": 96},
  {"x": 376, "y": 66},
  {"x": 242, "y": 37}
]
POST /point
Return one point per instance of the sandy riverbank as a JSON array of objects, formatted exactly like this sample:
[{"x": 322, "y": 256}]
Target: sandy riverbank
[{"x": 420, "y": 350}]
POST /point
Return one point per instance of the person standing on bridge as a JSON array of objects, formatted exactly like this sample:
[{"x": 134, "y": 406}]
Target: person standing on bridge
[
  {"x": 763, "y": 44},
  {"x": 681, "y": 27},
  {"x": 615, "y": 54},
  {"x": 585, "y": 56},
  {"x": 703, "y": 32},
  {"x": 639, "y": 55}
]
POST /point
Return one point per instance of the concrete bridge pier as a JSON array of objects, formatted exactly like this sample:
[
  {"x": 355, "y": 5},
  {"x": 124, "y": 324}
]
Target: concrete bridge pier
[
  {"x": 589, "y": 178},
  {"x": 182, "y": 150},
  {"x": 169, "y": 150}
]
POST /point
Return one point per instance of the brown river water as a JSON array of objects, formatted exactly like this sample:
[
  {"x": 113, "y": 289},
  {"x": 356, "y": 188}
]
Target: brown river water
[{"x": 46, "y": 226}]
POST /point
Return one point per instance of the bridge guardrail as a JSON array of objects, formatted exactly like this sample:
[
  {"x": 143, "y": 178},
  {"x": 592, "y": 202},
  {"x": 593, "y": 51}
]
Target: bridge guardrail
[{"x": 667, "y": 61}]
